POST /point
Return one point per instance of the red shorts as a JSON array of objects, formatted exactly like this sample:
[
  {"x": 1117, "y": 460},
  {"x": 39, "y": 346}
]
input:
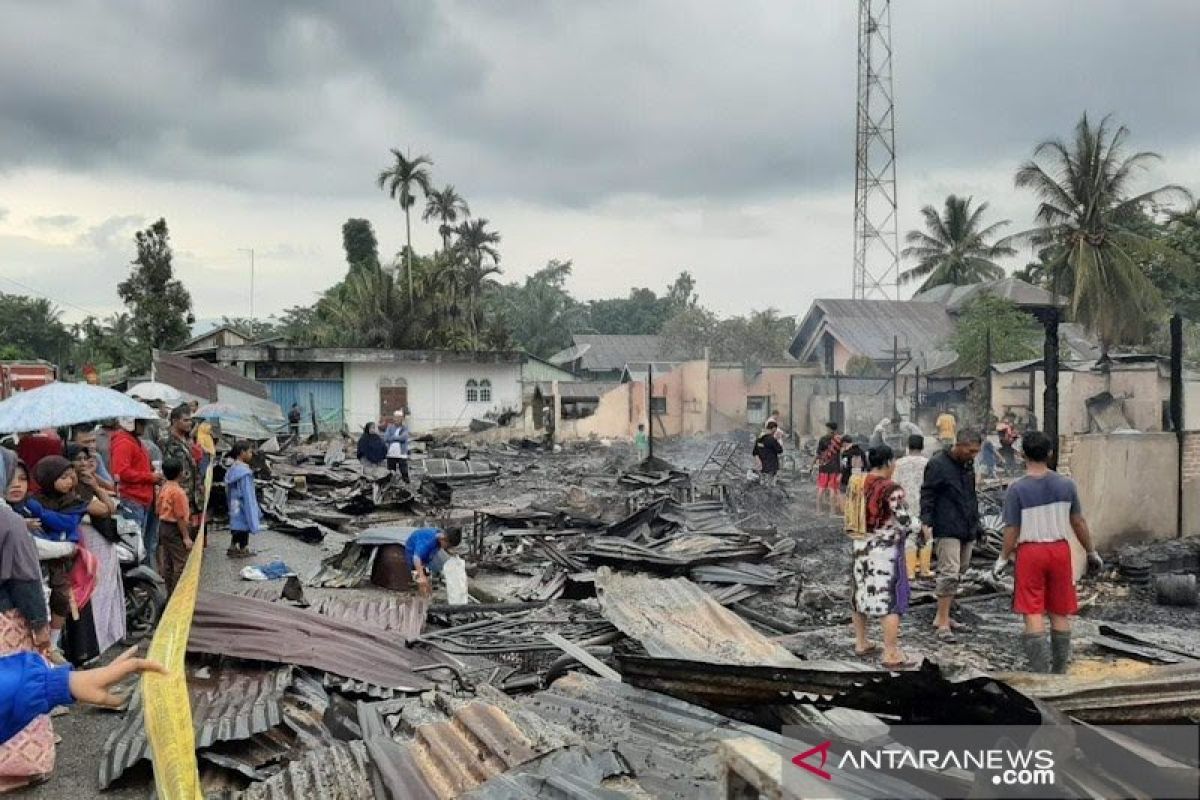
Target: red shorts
[
  {"x": 829, "y": 480},
  {"x": 1045, "y": 579}
]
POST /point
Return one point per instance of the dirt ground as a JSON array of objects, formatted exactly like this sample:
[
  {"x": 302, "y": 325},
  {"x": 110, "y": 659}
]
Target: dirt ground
[{"x": 809, "y": 612}]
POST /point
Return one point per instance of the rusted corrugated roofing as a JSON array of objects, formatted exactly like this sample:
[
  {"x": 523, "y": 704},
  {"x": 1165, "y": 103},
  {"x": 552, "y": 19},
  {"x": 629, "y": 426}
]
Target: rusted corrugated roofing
[
  {"x": 445, "y": 759},
  {"x": 675, "y": 618},
  {"x": 228, "y": 703},
  {"x": 338, "y": 772},
  {"x": 243, "y": 627}
]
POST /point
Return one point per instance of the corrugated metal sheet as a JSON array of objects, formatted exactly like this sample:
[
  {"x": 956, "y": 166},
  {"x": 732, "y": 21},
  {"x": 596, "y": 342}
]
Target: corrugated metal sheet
[
  {"x": 243, "y": 627},
  {"x": 572, "y": 773},
  {"x": 327, "y": 395},
  {"x": 338, "y": 772},
  {"x": 867, "y": 327},
  {"x": 403, "y": 614},
  {"x": 604, "y": 352},
  {"x": 446, "y": 759},
  {"x": 228, "y": 703},
  {"x": 1159, "y": 695},
  {"x": 675, "y": 618},
  {"x": 670, "y": 745}
]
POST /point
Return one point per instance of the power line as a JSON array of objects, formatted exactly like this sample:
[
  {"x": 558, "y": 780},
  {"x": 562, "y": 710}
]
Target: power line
[{"x": 90, "y": 312}]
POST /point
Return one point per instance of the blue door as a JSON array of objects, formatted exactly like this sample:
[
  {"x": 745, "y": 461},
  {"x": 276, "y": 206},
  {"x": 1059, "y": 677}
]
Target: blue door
[{"x": 326, "y": 395}]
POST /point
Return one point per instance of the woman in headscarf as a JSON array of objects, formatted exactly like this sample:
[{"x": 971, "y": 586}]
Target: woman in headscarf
[
  {"x": 73, "y": 578},
  {"x": 24, "y": 627},
  {"x": 371, "y": 449},
  {"x": 879, "y": 579},
  {"x": 99, "y": 533}
]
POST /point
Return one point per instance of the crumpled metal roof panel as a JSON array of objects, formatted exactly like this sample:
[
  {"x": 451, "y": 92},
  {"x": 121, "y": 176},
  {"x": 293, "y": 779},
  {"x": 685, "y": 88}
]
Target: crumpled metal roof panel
[
  {"x": 229, "y": 703},
  {"x": 338, "y": 772},
  {"x": 675, "y": 618},
  {"x": 244, "y": 627}
]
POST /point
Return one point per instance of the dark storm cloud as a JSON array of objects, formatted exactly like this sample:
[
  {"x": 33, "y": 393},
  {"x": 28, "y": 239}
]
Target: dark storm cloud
[{"x": 572, "y": 103}]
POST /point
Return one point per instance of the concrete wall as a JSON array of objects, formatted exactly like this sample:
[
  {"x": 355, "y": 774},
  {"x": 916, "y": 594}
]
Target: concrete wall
[
  {"x": 1127, "y": 485},
  {"x": 617, "y": 415},
  {"x": 436, "y": 391},
  {"x": 1191, "y": 483}
]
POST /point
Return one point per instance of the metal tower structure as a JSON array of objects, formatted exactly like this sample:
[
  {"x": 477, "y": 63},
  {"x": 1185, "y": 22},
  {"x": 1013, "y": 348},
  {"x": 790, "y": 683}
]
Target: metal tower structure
[{"x": 876, "y": 240}]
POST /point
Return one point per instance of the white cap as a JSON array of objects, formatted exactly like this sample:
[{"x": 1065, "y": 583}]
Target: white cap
[
  {"x": 398, "y": 413},
  {"x": 127, "y": 423}
]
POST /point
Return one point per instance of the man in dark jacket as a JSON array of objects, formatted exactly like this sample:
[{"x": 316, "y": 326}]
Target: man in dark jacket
[{"x": 950, "y": 514}]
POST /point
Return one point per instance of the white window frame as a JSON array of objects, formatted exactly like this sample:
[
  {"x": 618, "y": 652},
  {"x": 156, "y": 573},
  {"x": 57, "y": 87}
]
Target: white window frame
[
  {"x": 472, "y": 391},
  {"x": 485, "y": 391}
]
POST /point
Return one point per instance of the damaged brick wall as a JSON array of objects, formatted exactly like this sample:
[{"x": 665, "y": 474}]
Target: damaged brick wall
[{"x": 1191, "y": 483}]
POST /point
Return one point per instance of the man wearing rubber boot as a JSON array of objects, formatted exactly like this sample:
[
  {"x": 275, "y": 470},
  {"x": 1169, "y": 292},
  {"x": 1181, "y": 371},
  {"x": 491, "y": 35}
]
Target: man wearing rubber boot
[{"x": 1039, "y": 511}]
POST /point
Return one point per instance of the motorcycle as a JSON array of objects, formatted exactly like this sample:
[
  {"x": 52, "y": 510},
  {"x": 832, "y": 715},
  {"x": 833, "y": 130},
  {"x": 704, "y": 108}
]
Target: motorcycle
[{"x": 145, "y": 590}]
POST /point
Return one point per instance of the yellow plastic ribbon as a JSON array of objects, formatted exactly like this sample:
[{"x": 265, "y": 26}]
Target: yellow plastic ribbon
[{"x": 165, "y": 702}]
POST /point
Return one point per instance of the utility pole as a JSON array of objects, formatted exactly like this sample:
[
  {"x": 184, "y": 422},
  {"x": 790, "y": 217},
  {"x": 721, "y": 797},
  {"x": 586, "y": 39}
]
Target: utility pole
[
  {"x": 987, "y": 376},
  {"x": 1177, "y": 414},
  {"x": 895, "y": 377},
  {"x": 876, "y": 238},
  {"x": 650, "y": 408},
  {"x": 250, "y": 250},
  {"x": 1050, "y": 394}
]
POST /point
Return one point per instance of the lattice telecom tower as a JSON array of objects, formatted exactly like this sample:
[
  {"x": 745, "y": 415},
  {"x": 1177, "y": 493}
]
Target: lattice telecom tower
[{"x": 876, "y": 241}]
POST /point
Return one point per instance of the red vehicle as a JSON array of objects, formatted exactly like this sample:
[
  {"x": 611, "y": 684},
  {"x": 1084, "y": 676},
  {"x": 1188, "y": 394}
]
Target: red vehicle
[{"x": 20, "y": 376}]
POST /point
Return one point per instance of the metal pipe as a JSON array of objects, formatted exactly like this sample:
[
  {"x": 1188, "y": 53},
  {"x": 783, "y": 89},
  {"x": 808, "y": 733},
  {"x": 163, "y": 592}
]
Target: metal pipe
[{"x": 1177, "y": 414}]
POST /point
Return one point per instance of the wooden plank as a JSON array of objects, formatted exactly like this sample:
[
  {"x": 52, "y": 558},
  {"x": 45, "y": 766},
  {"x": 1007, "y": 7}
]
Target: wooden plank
[{"x": 583, "y": 657}]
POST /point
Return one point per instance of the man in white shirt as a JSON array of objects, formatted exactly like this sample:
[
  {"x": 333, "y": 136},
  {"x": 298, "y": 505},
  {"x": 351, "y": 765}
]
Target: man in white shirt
[{"x": 910, "y": 474}]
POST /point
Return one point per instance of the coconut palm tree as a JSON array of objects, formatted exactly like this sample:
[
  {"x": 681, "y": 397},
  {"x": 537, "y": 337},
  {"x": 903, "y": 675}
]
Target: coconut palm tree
[
  {"x": 445, "y": 205},
  {"x": 477, "y": 245},
  {"x": 1086, "y": 217},
  {"x": 955, "y": 247},
  {"x": 401, "y": 181}
]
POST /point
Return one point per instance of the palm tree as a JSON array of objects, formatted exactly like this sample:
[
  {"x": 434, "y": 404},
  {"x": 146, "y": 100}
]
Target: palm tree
[
  {"x": 476, "y": 245},
  {"x": 1084, "y": 218},
  {"x": 445, "y": 205},
  {"x": 401, "y": 181},
  {"x": 954, "y": 247}
]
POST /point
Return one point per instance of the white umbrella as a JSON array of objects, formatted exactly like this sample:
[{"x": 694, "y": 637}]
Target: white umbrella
[
  {"x": 153, "y": 390},
  {"x": 58, "y": 405}
]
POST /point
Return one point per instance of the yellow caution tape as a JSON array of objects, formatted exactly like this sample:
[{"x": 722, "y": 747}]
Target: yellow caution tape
[{"x": 167, "y": 709}]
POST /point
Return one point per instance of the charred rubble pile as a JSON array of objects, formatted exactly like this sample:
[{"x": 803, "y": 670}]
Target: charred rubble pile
[{"x": 644, "y": 631}]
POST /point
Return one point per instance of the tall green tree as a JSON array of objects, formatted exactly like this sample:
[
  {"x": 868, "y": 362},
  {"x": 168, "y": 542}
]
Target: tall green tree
[
  {"x": 477, "y": 246},
  {"x": 402, "y": 180},
  {"x": 32, "y": 327},
  {"x": 686, "y": 334},
  {"x": 539, "y": 313},
  {"x": 358, "y": 240},
  {"x": 446, "y": 206},
  {"x": 1086, "y": 215},
  {"x": 1015, "y": 334},
  {"x": 159, "y": 305},
  {"x": 760, "y": 338},
  {"x": 955, "y": 247},
  {"x": 106, "y": 343}
]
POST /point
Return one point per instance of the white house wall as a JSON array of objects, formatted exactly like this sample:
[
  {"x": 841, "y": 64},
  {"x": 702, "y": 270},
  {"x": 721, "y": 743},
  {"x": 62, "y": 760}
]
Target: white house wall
[{"x": 436, "y": 392}]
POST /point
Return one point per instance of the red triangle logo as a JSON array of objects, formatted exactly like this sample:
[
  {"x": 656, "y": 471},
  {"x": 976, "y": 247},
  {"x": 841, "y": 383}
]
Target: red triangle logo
[{"x": 802, "y": 760}]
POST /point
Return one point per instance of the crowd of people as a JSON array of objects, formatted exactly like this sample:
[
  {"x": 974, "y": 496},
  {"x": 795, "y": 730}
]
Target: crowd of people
[
  {"x": 72, "y": 497},
  {"x": 916, "y": 517}
]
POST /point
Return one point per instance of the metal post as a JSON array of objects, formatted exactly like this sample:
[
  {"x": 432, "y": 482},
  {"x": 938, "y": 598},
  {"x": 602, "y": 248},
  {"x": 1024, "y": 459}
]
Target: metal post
[
  {"x": 312, "y": 407},
  {"x": 1177, "y": 413},
  {"x": 895, "y": 376},
  {"x": 987, "y": 376},
  {"x": 1050, "y": 395},
  {"x": 650, "y": 408},
  {"x": 916, "y": 414}
]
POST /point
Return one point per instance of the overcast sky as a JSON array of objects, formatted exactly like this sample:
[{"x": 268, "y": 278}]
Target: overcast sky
[{"x": 636, "y": 138}]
